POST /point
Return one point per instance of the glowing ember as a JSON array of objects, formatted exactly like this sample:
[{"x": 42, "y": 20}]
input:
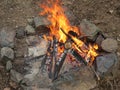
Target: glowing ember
[{"x": 59, "y": 21}]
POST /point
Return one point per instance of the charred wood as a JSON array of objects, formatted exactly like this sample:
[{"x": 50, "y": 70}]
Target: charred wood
[
  {"x": 78, "y": 56},
  {"x": 60, "y": 63}
]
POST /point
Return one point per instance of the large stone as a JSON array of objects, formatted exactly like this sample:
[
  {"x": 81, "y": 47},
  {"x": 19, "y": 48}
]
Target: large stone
[
  {"x": 33, "y": 71},
  {"x": 35, "y": 75},
  {"x": 8, "y": 52},
  {"x": 20, "y": 32},
  {"x": 41, "y": 21},
  {"x": 7, "y": 37},
  {"x": 88, "y": 29},
  {"x": 82, "y": 79},
  {"x": 99, "y": 39},
  {"x": 16, "y": 76},
  {"x": 32, "y": 40},
  {"x": 38, "y": 49},
  {"x": 105, "y": 62},
  {"x": 29, "y": 29},
  {"x": 109, "y": 45},
  {"x": 20, "y": 47},
  {"x": 41, "y": 24}
]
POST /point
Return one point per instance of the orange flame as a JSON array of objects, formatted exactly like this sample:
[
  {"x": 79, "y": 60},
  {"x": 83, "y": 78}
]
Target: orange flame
[{"x": 58, "y": 20}]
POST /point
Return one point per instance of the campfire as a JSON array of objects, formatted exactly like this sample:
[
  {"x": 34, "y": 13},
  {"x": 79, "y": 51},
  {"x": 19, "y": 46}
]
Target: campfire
[
  {"x": 51, "y": 50},
  {"x": 65, "y": 39}
]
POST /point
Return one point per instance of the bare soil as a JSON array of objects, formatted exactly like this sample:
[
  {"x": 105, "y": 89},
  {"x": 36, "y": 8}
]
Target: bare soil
[{"x": 104, "y": 13}]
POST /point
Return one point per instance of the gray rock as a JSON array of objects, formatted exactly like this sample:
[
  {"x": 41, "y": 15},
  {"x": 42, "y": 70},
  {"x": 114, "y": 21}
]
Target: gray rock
[
  {"x": 32, "y": 40},
  {"x": 20, "y": 32},
  {"x": 109, "y": 45},
  {"x": 30, "y": 21},
  {"x": 7, "y": 37},
  {"x": 88, "y": 29},
  {"x": 20, "y": 47},
  {"x": 43, "y": 81},
  {"x": 34, "y": 74},
  {"x": 39, "y": 21},
  {"x": 8, "y": 65},
  {"x": 105, "y": 62},
  {"x": 15, "y": 76},
  {"x": 99, "y": 39},
  {"x": 8, "y": 52},
  {"x": 33, "y": 71},
  {"x": 38, "y": 49},
  {"x": 29, "y": 29},
  {"x": 82, "y": 79}
]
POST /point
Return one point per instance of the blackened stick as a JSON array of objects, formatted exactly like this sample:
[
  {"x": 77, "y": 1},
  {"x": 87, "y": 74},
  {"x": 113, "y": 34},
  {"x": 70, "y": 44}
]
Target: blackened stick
[
  {"x": 60, "y": 63},
  {"x": 54, "y": 58},
  {"x": 70, "y": 37},
  {"x": 78, "y": 56}
]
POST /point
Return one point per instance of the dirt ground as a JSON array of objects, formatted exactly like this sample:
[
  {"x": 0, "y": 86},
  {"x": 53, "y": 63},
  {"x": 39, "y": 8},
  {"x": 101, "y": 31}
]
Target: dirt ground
[{"x": 104, "y": 13}]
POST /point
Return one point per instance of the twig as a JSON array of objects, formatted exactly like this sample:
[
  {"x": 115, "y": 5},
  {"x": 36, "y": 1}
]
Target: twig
[{"x": 98, "y": 77}]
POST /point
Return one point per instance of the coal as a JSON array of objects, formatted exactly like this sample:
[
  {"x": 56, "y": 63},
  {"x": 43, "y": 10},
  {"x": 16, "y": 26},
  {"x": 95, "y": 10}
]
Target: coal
[{"x": 105, "y": 62}]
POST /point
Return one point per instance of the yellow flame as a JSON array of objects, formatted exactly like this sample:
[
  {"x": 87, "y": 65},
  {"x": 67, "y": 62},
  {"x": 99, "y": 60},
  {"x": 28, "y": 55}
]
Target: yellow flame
[{"x": 59, "y": 20}]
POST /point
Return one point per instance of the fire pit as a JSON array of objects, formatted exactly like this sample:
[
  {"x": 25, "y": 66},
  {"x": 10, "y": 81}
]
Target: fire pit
[
  {"x": 65, "y": 39},
  {"x": 55, "y": 50}
]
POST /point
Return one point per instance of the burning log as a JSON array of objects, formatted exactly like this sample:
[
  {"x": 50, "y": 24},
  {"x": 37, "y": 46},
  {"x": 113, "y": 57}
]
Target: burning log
[
  {"x": 54, "y": 57},
  {"x": 70, "y": 37},
  {"x": 59, "y": 63},
  {"x": 88, "y": 51},
  {"x": 80, "y": 59},
  {"x": 78, "y": 56}
]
